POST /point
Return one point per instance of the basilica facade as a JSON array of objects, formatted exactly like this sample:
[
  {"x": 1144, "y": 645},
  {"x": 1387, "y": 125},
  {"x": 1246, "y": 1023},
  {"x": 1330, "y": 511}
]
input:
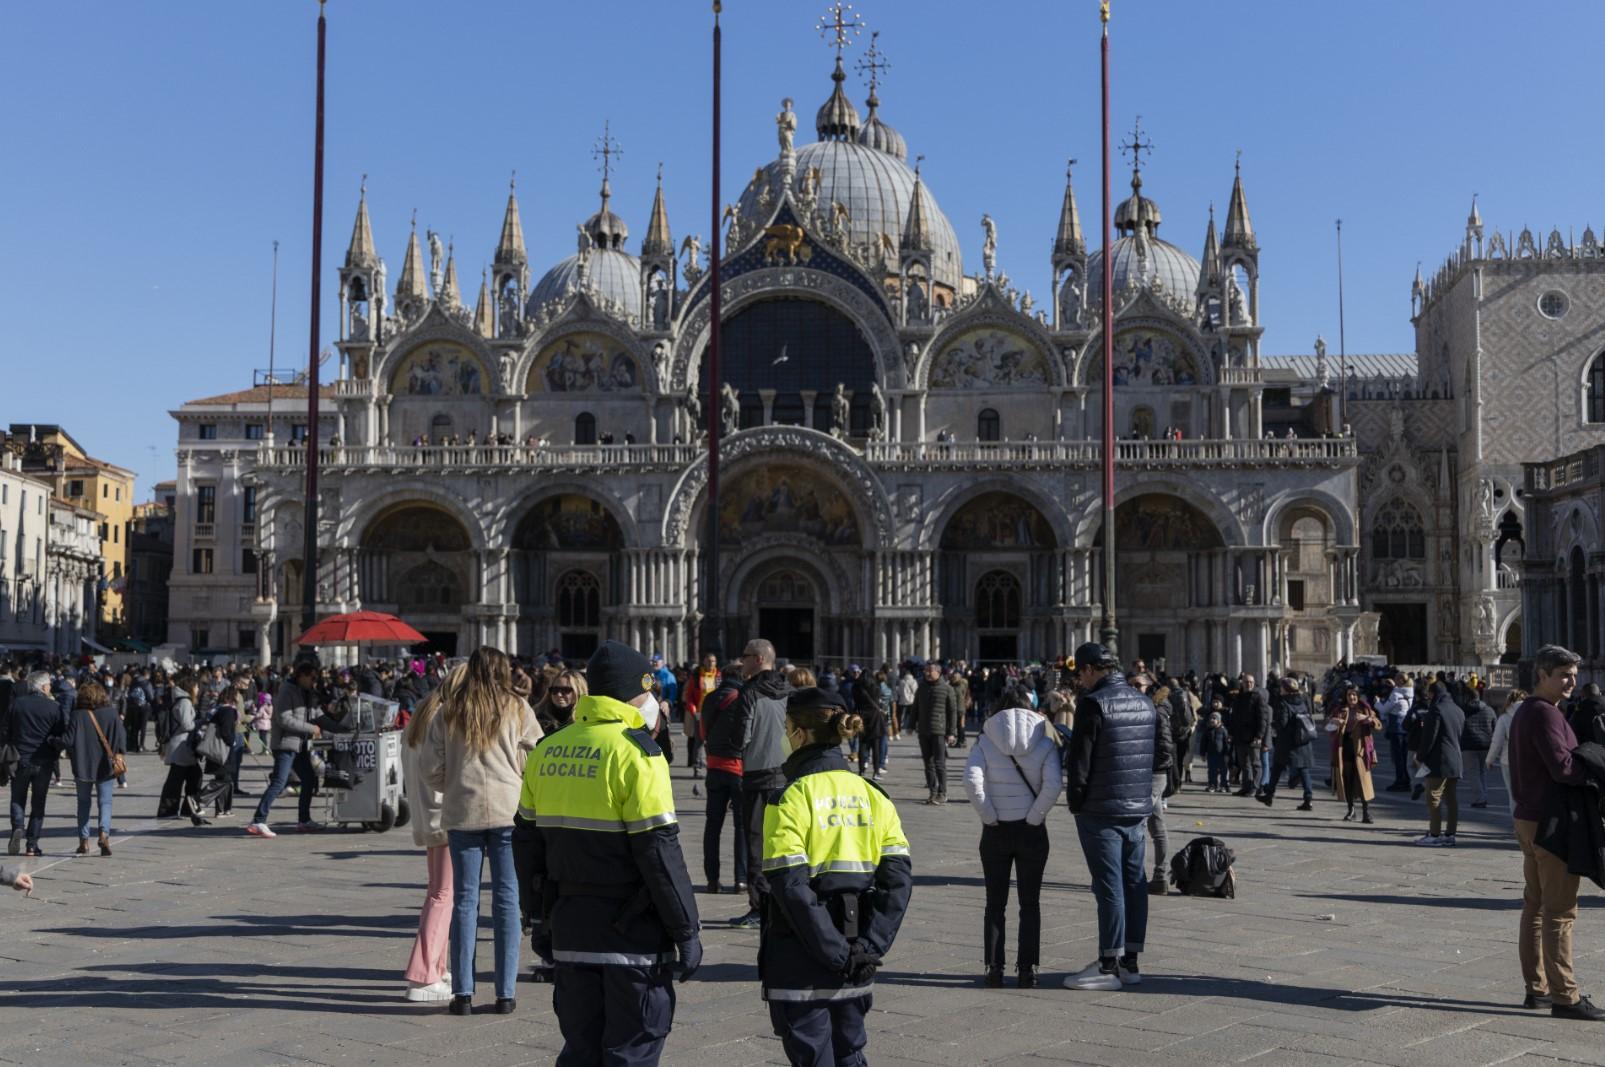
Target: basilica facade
[{"x": 911, "y": 447}]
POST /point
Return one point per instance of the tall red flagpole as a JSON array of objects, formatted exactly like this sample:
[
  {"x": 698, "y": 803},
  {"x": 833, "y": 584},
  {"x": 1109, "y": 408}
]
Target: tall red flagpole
[
  {"x": 712, "y": 636},
  {"x": 309, "y": 544},
  {"x": 1110, "y": 630}
]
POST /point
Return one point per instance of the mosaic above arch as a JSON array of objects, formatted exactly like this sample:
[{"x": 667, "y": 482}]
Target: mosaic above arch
[
  {"x": 584, "y": 363},
  {"x": 1149, "y": 357},
  {"x": 439, "y": 369},
  {"x": 785, "y": 499},
  {"x": 987, "y": 357}
]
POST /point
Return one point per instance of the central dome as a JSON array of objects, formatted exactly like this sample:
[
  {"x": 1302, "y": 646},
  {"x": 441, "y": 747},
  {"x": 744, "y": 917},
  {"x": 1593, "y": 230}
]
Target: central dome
[
  {"x": 1141, "y": 261},
  {"x": 875, "y": 188}
]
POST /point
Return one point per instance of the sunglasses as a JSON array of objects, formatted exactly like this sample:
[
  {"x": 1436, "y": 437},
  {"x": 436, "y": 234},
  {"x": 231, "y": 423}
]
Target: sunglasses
[{"x": 557, "y": 690}]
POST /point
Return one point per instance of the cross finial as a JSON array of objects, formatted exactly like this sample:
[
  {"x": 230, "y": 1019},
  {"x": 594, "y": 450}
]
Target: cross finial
[
  {"x": 415, "y": 218},
  {"x": 839, "y": 25},
  {"x": 363, "y": 191},
  {"x": 1237, "y": 166},
  {"x": 605, "y": 149},
  {"x": 1069, "y": 166},
  {"x": 874, "y": 63},
  {"x": 660, "y": 172},
  {"x": 917, "y": 161},
  {"x": 512, "y": 182},
  {"x": 1137, "y": 146}
]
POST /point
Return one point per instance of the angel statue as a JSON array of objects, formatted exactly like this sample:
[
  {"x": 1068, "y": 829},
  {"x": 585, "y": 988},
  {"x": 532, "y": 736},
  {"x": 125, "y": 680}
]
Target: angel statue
[
  {"x": 691, "y": 249},
  {"x": 729, "y": 409},
  {"x": 989, "y": 244},
  {"x": 437, "y": 260},
  {"x": 841, "y": 410}
]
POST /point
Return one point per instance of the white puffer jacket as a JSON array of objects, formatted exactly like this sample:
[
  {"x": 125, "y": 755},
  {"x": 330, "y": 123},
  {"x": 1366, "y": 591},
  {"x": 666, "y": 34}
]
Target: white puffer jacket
[{"x": 996, "y": 786}]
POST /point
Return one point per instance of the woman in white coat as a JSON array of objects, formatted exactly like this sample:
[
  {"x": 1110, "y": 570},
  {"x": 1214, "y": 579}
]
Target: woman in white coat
[
  {"x": 1498, "y": 754},
  {"x": 1014, "y": 776}
]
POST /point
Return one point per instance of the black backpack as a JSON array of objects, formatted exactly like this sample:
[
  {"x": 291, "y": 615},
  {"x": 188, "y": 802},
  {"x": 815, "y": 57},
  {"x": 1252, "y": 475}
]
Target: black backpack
[{"x": 1204, "y": 869}]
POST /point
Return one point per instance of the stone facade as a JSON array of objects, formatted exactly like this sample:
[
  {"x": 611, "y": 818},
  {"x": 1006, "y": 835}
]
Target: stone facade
[
  {"x": 49, "y": 565},
  {"x": 1563, "y": 565}
]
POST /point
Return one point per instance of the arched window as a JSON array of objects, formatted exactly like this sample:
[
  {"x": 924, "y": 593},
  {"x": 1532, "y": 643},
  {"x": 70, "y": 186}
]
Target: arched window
[
  {"x": 585, "y": 428},
  {"x": 1142, "y": 421},
  {"x": 988, "y": 426},
  {"x": 1397, "y": 533},
  {"x": 439, "y": 429},
  {"x": 579, "y": 601},
  {"x": 429, "y": 587},
  {"x": 997, "y": 601},
  {"x": 1596, "y": 389}
]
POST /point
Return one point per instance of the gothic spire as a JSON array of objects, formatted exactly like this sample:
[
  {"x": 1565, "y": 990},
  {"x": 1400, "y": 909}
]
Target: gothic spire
[
  {"x": 411, "y": 285},
  {"x": 361, "y": 255},
  {"x": 1209, "y": 274},
  {"x": 916, "y": 231},
  {"x": 484, "y": 320},
  {"x": 450, "y": 294},
  {"x": 1070, "y": 241},
  {"x": 510, "y": 249},
  {"x": 657, "y": 241},
  {"x": 1239, "y": 230}
]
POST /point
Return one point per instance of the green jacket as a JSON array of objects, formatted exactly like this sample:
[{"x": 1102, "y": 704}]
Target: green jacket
[{"x": 936, "y": 709}]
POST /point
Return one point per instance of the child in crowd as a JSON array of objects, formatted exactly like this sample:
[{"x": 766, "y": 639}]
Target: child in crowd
[{"x": 1215, "y": 744}]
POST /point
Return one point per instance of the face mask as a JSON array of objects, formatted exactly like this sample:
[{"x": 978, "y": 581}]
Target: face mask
[{"x": 649, "y": 712}]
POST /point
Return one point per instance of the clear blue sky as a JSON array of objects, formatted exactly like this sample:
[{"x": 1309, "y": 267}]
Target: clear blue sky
[{"x": 154, "y": 151}]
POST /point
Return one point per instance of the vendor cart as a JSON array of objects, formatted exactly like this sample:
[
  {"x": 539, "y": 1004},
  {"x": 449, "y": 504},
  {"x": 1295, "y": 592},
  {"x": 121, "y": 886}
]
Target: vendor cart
[{"x": 362, "y": 771}]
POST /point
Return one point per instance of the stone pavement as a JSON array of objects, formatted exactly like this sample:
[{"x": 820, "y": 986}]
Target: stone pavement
[{"x": 1345, "y": 945}]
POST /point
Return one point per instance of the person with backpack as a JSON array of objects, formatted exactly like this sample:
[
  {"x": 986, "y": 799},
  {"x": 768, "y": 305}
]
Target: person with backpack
[
  {"x": 1295, "y": 745},
  {"x": 1014, "y": 776},
  {"x": 1438, "y": 750},
  {"x": 136, "y": 710},
  {"x": 1477, "y": 737}
]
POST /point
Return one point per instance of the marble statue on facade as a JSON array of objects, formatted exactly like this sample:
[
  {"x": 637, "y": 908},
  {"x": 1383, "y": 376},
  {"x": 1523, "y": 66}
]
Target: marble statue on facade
[
  {"x": 729, "y": 409},
  {"x": 877, "y": 411},
  {"x": 1322, "y": 372},
  {"x": 840, "y": 411},
  {"x": 437, "y": 261},
  {"x": 691, "y": 249},
  {"x": 1070, "y": 303},
  {"x": 989, "y": 245},
  {"x": 786, "y": 126}
]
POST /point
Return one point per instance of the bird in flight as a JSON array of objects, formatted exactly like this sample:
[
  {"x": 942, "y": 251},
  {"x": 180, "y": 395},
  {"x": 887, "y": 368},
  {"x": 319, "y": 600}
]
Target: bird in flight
[{"x": 780, "y": 358}]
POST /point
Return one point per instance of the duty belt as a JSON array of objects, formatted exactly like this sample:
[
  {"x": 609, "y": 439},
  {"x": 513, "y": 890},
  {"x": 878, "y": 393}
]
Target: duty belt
[{"x": 844, "y": 908}]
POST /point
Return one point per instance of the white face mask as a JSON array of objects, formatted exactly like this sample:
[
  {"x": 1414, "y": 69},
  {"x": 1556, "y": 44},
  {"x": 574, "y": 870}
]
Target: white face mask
[{"x": 649, "y": 713}]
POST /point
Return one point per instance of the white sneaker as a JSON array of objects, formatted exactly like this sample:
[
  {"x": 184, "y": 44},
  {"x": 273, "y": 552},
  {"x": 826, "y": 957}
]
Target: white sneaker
[
  {"x": 1128, "y": 975},
  {"x": 260, "y": 829},
  {"x": 1448, "y": 840},
  {"x": 423, "y": 994},
  {"x": 1429, "y": 841},
  {"x": 1093, "y": 976}
]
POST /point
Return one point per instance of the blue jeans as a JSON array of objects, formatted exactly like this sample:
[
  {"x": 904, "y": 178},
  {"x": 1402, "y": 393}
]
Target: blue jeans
[
  {"x": 1265, "y": 767},
  {"x": 26, "y": 778},
  {"x": 469, "y": 850},
  {"x": 102, "y": 792},
  {"x": 1114, "y": 848},
  {"x": 282, "y": 762}
]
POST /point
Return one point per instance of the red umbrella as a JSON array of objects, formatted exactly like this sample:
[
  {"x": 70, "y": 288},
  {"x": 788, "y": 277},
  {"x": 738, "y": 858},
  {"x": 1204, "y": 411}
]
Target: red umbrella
[{"x": 361, "y": 628}]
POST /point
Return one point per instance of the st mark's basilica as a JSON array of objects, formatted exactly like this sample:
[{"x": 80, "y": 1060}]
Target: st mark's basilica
[{"x": 912, "y": 450}]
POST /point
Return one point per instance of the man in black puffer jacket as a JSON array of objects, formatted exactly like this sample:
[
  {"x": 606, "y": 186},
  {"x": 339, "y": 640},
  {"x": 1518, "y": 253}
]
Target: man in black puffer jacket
[
  {"x": 721, "y": 743},
  {"x": 1476, "y": 738},
  {"x": 1109, "y": 771},
  {"x": 1295, "y": 744}
]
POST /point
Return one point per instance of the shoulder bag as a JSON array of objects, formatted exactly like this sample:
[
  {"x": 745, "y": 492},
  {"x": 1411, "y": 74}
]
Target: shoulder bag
[{"x": 119, "y": 766}]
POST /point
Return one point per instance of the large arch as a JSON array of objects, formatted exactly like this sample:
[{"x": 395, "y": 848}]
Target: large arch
[
  {"x": 1145, "y": 313},
  {"x": 940, "y": 513},
  {"x": 990, "y": 312},
  {"x": 681, "y": 516},
  {"x": 436, "y": 327},
  {"x": 1090, "y": 523},
  {"x": 997, "y": 536},
  {"x": 565, "y": 548},
  {"x": 367, "y": 507},
  {"x": 868, "y": 315},
  {"x": 417, "y": 559},
  {"x": 1336, "y": 511},
  {"x": 582, "y": 319}
]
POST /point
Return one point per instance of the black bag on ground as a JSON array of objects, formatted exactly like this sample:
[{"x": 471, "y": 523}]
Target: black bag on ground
[{"x": 1204, "y": 869}]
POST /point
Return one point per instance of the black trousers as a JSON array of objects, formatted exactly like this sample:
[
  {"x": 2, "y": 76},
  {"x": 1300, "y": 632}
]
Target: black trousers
[
  {"x": 822, "y": 1033},
  {"x": 182, "y": 783},
  {"x": 612, "y": 1016},
  {"x": 724, "y": 794},
  {"x": 933, "y": 750},
  {"x": 1024, "y": 848},
  {"x": 134, "y": 724}
]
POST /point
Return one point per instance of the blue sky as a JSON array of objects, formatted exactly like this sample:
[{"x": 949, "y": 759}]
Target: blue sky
[{"x": 154, "y": 151}]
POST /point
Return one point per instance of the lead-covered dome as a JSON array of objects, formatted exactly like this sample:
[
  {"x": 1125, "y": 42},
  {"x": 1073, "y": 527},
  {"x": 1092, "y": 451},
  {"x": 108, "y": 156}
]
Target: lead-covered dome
[
  {"x": 1141, "y": 259},
  {"x": 613, "y": 274}
]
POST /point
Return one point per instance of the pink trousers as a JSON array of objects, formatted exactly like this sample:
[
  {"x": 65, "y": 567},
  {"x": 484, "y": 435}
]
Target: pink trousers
[{"x": 427, "y": 965}]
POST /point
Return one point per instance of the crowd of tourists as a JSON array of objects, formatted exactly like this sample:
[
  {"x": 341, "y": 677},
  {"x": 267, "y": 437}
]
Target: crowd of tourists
[{"x": 556, "y": 775}]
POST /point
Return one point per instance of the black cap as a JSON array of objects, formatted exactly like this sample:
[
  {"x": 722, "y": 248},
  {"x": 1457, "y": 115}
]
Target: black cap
[
  {"x": 1094, "y": 655},
  {"x": 616, "y": 670},
  {"x": 815, "y": 699}
]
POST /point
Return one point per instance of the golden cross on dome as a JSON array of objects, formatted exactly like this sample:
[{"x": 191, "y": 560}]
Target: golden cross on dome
[
  {"x": 839, "y": 25},
  {"x": 605, "y": 149},
  {"x": 874, "y": 61},
  {"x": 1137, "y": 146}
]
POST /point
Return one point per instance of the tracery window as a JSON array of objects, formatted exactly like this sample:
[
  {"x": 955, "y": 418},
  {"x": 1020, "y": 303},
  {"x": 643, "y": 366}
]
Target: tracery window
[
  {"x": 1596, "y": 389},
  {"x": 579, "y": 600},
  {"x": 997, "y": 601},
  {"x": 1397, "y": 532}
]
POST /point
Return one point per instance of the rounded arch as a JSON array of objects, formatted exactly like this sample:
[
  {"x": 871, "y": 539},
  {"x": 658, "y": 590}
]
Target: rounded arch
[
  {"x": 567, "y": 522},
  {"x": 941, "y": 514},
  {"x": 810, "y": 448},
  {"x": 416, "y": 526},
  {"x": 989, "y": 314},
  {"x": 1088, "y": 526},
  {"x": 529, "y": 504},
  {"x": 755, "y": 287},
  {"x": 1576, "y": 528},
  {"x": 536, "y": 356},
  {"x": 1337, "y": 513},
  {"x": 437, "y": 327},
  {"x": 368, "y": 508},
  {"x": 440, "y": 367},
  {"x": 1591, "y": 389},
  {"x": 784, "y": 555},
  {"x": 1145, "y": 317}
]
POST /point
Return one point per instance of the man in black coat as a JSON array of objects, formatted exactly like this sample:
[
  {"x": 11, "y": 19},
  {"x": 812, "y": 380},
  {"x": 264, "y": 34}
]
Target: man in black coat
[
  {"x": 1439, "y": 751},
  {"x": 37, "y": 727},
  {"x": 1250, "y": 724},
  {"x": 1294, "y": 750}
]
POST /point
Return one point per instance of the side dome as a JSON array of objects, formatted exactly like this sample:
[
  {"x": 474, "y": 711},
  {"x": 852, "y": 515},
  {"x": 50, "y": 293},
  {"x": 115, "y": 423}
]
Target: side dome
[
  {"x": 1139, "y": 262},
  {"x": 875, "y": 187},
  {"x": 614, "y": 275}
]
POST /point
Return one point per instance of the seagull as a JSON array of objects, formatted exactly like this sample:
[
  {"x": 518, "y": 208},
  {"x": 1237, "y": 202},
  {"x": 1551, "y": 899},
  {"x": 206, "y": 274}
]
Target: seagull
[{"x": 780, "y": 358}]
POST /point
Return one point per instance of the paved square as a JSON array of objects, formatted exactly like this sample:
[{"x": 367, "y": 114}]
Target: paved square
[{"x": 1345, "y": 945}]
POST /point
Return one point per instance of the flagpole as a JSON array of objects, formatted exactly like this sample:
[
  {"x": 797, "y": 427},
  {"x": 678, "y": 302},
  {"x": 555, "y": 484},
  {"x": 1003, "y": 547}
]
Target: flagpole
[
  {"x": 1343, "y": 348},
  {"x": 1109, "y": 630},
  {"x": 712, "y": 637},
  {"x": 309, "y": 544}
]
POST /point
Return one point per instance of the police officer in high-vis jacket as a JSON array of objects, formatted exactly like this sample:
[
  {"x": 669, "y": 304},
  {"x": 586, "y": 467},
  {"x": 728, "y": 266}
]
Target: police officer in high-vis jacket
[
  {"x": 839, "y": 883},
  {"x": 618, "y": 917}
]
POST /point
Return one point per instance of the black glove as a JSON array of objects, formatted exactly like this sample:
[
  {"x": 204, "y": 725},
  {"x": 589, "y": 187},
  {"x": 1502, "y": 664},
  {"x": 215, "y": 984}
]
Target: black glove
[
  {"x": 690, "y": 953},
  {"x": 862, "y": 962}
]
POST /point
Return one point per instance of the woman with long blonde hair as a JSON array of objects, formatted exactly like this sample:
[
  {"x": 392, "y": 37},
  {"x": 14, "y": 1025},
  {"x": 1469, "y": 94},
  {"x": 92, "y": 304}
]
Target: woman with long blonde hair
[
  {"x": 474, "y": 754},
  {"x": 1499, "y": 748},
  {"x": 428, "y": 975}
]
